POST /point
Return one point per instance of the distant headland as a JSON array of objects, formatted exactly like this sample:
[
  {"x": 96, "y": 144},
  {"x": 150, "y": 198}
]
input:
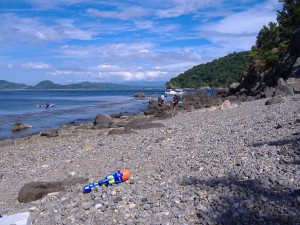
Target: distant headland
[{"x": 49, "y": 85}]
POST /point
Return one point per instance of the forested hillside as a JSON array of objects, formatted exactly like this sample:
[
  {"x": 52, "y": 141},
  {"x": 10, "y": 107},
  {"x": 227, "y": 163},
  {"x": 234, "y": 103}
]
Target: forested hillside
[{"x": 218, "y": 73}]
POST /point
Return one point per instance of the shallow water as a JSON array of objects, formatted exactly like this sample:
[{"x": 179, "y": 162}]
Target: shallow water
[{"x": 70, "y": 106}]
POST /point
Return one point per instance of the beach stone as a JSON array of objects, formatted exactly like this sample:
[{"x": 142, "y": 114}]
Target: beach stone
[
  {"x": 35, "y": 190},
  {"x": 49, "y": 133},
  {"x": 225, "y": 105},
  {"x": 139, "y": 95},
  {"x": 102, "y": 121},
  {"x": 18, "y": 126},
  {"x": 275, "y": 100},
  {"x": 116, "y": 132}
]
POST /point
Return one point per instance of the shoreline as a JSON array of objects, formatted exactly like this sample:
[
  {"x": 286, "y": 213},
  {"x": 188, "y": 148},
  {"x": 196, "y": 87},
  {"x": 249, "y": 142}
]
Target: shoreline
[
  {"x": 204, "y": 166},
  {"x": 72, "y": 123}
]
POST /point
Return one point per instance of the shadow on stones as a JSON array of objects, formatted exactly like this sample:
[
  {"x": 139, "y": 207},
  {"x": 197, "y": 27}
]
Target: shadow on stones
[
  {"x": 290, "y": 149},
  {"x": 227, "y": 200}
]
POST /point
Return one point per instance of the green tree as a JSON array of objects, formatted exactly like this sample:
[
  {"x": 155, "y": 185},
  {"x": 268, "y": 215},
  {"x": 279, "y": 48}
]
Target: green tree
[
  {"x": 273, "y": 40},
  {"x": 288, "y": 18}
]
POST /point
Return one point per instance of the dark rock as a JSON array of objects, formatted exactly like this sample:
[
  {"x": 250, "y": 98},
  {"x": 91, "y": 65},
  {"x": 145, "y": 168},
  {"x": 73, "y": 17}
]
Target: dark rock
[
  {"x": 102, "y": 121},
  {"x": 117, "y": 199},
  {"x": 278, "y": 126},
  {"x": 116, "y": 132},
  {"x": 275, "y": 100},
  {"x": 129, "y": 130},
  {"x": 201, "y": 99},
  {"x": 35, "y": 190},
  {"x": 136, "y": 123},
  {"x": 121, "y": 124},
  {"x": 49, "y": 133},
  {"x": 283, "y": 88},
  {"x": 155, "y": 107},
  {"x": 141, "y": 123},
  {"x": 18, "y": 126},
  {"x": 165, "y": 114},
  {"x": 139, "y": 95}
]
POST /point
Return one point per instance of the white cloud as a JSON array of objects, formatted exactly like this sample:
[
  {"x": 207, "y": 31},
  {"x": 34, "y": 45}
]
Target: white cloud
[
  {"x": 33, "y": 29},
  {"x": 238, "y": 31},
  {"x": 124, "y": 14},
  {"x": 175, "y": 8},
  {"x": 36, "y": 65}
]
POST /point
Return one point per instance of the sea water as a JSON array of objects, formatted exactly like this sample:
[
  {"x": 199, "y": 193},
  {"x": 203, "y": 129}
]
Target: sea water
[{"x": 70, "y": 106}]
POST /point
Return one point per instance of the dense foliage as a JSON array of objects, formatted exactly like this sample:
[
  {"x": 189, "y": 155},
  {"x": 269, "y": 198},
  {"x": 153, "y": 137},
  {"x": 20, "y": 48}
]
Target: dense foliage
[
  {"x": 273, "y": 40},
  {"x": 218, "y": 73}
]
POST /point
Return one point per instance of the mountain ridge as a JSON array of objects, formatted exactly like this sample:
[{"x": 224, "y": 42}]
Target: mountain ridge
[{"x": 49, "y": 85}]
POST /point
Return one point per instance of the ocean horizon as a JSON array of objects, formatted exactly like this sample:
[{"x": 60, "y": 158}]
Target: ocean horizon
[{"x": 78, "y": 106}]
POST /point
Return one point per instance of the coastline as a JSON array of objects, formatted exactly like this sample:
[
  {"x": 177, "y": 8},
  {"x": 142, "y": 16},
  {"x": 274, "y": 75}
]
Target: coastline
[
  {"x": 68, "y": 108},
  {"x": 204, "y": 166}
]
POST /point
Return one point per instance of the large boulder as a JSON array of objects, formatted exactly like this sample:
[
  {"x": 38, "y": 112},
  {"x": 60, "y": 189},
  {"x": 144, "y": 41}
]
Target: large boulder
[
  {"x": 35, "y": 190},
  {"x": 275, "y": 100},
  {"x": 102, "y": 121},
  {"x": 283, "y": 88},
  {"x": 18, "y": 126}
]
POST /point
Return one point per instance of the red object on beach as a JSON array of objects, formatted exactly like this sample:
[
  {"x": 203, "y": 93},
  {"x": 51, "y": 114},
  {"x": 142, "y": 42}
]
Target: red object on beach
[{"x": 126, "y": 174}]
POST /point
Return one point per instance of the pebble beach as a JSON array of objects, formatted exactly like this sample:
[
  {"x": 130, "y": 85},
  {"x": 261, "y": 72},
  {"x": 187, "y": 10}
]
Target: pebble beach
[{"x": 207, "y": 166}]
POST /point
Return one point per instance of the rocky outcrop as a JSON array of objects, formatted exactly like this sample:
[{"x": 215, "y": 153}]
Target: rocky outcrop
[
  {"x": 201, "y": 99},
  {"x": 283, "y": 79},
  {"x": 155, "y": 108}
]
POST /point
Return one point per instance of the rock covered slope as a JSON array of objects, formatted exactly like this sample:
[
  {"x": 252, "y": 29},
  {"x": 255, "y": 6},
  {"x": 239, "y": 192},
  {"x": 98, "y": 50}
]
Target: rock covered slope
[
  {"x": 282, "y": 79},
  {"x": 203, "y": 167}
]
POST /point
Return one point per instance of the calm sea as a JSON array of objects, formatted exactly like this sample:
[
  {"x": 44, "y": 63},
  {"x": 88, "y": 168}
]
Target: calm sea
[{"x": 70, "y": 106}]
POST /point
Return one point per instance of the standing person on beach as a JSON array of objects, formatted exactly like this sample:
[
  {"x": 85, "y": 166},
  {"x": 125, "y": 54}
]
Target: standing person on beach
[
  {"x": 175, "y": 101},
  {"x": 162, "y": 99}
]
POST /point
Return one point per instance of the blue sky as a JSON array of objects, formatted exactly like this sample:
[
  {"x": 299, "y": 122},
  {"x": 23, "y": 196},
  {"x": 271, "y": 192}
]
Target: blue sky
[{"x": 70, "y": 41}]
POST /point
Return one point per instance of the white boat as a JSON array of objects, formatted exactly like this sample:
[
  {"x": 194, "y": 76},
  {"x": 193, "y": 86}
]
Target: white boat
[{"x": 172, "y": 92}]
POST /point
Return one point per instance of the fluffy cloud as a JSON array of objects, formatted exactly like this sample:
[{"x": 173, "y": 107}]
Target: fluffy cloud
[
  {"x": 238, "y": 31},
  {"x": 32, "y": 29},
  {"x": 36, "y": 65}
]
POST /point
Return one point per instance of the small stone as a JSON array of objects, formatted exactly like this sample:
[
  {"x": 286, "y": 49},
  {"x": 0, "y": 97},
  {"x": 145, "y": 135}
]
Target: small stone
[
  {"x": 86, "y": 205},
  {"x": 236, "y": 205},
  {"x": 98, "y": 206},
  {"x": 132, "y": 205},
  {"x": 113, "y": 193},
  {"x": 117, "y": 199},
  {"x": 177, "y": 201}
]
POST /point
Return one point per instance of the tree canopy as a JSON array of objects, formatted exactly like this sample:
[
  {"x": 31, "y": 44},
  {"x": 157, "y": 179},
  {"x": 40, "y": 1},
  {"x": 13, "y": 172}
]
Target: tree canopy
[
  {"x": 273, "y": 40},
  {"x": 218, "y": 73}
]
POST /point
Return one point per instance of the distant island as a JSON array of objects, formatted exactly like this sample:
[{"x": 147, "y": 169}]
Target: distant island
[{"x": 49, "y": 85}]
